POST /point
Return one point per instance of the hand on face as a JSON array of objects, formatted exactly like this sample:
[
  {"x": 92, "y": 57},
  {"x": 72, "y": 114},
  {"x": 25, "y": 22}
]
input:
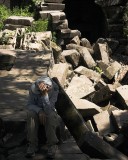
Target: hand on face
[{"x": 44, "y": 87}]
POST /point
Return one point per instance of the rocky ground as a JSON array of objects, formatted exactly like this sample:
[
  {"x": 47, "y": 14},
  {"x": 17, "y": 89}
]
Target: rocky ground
[{"x": 94, "y": 76}]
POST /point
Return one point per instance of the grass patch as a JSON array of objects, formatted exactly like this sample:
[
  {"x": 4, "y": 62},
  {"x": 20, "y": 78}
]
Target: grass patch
[{"x": 38, "y": 26}]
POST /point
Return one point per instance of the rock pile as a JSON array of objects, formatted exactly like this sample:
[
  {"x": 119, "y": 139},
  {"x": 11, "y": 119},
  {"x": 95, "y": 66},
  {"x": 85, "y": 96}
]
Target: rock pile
[
  {"x": 97, "y": 85},
  {"x": 95, "y": 77},
  {"x": 95, "y": 82}
]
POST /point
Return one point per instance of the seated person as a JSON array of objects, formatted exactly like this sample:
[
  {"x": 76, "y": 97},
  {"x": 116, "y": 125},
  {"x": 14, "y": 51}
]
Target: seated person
[{"x": 41, "y": 110}]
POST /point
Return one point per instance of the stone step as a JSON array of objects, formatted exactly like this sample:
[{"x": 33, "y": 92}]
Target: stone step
[
  {"x": 45, "y": 14},
  {"x": 53, "y": 6},
  {"x": 68, "y": 33},
  {"x": 57, "y": 16},
  {"x": 19, "y": 20},
  {"x": 53, "y": 1},
  {"x": 13, "y": 27}
]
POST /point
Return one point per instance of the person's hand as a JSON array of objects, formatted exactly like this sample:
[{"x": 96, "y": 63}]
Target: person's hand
[
  {"x": 42, "y": 117},
  {"x": 43, "y": 87}
]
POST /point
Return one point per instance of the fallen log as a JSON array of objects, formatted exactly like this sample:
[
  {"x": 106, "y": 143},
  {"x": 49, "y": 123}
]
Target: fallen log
[{"x": 89, "y": 142}]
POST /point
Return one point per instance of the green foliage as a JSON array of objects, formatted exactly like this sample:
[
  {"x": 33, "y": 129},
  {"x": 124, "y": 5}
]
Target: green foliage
[
  {"x": 98, "y": 69},
  {"x": 37, "y": 1},
  {"x": 54, "y": 38},
  {"x": 4, "y": 39},
  {"x": 4, "y": 13},
  {"x": 21, "y": 12},
  {"x": 38, "y": 26},
  {"x": 1, "y": 25}
]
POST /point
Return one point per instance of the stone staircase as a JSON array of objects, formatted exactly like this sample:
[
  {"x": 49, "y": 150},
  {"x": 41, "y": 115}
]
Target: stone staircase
[
  {"x": 59, "y": 23},
  {"x": 53, "y": 10}
]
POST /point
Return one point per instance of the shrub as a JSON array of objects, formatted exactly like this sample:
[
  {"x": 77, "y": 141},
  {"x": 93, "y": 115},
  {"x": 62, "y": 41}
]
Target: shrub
[
  {"x": 4, "y": 39},
  {"x": 98, "y": 69},
  {"x": 38, "y": 26},
  {"x": 4, "y": 14},
  {"x": 21, "y": 12}
]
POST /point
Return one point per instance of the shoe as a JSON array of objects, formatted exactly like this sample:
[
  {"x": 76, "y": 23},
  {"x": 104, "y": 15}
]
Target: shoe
[
  {"x": 31, "y": 151},
  {"x": 52, "y": 151}
]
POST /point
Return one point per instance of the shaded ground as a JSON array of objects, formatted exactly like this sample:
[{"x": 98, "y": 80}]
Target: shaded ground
[
  {"x": 14, "y": 84},
  {"x": 14, "y": 87},
  {"x": 66, "y": 151}
]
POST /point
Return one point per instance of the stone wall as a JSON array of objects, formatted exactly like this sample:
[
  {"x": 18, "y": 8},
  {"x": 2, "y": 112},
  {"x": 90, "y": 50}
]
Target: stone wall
[{"x": 114, "y": 10}]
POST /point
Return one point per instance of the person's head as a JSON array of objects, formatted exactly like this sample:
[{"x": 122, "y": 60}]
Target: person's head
[{"x": 41, "y": 84}]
